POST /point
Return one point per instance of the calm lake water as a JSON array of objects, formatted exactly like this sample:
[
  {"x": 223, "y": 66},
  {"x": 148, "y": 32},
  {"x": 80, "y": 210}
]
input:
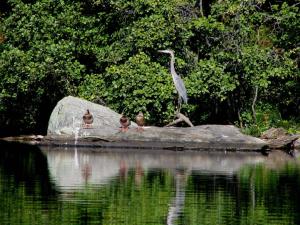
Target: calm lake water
[{"x": 102, "y": 186}]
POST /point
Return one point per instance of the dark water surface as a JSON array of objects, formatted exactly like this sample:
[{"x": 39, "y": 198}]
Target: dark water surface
[{"x": 102, "y": 186}]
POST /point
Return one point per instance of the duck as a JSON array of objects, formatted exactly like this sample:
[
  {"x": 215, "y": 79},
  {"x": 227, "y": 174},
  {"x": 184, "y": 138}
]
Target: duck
[
  {"x": 125, "y": 123},
  {"x": 87, "y": 119},
  {"x": 140, "y": 120}
]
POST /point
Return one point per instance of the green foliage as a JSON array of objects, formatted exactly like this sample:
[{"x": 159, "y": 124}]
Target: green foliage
[
  {"x": 135, "y": 86},
  {"x": 210, "y": 78},
  {"x": 106, "y": 51},
  {"x": 267, "y": 117},
  {"x": 38, "y": 64}
]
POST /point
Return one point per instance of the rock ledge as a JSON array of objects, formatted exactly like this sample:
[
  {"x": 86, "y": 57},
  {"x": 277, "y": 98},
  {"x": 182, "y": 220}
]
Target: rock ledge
[{"x": 65, "y": 128}]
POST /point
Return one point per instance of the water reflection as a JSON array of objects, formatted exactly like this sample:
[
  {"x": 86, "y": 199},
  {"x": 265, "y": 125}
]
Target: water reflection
[
  {"x": 77, "y": 168},
  {"x": 177, "y": 205},
  {"x": 26, "y": 166},
  {"x": 72, "y": 168},
  {"x": 98, "y": 186}
]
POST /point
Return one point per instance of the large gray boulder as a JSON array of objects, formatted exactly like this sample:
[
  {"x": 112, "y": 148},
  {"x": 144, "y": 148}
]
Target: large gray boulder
[{"x": 66, "y": 118}]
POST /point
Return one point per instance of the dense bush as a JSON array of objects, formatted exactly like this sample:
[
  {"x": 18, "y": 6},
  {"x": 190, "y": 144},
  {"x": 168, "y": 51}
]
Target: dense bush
[{"x": 106, "y": 52}]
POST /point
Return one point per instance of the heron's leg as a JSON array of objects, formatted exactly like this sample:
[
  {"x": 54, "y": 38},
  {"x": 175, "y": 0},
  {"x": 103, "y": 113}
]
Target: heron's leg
[{"x": 179, "y": 104}]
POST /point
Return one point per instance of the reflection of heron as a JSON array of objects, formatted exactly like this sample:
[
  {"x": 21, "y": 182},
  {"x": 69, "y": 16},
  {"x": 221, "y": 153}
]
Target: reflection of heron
[
  {"x": 177, "y": 206},
  {"x": 178, "y": 82},
  {"x": 180, "y": 88}
]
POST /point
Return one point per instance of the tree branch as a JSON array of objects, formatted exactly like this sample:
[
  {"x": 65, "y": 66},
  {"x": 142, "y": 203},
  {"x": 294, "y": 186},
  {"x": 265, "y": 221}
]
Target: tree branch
[{"x": 181, "y": 118}]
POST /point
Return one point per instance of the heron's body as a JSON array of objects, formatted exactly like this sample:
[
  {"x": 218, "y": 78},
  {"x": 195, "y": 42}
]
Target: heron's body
[{"x": 87, "y": 119}]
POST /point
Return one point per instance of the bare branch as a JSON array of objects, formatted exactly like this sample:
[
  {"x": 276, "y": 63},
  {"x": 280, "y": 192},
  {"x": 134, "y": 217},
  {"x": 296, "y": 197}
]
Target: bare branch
[{"x": 181, "y": 118}]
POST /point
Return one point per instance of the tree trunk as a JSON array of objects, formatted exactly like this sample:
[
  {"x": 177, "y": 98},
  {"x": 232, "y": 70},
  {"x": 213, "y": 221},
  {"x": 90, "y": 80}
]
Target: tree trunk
[
  {"x": 253, "y": 104},
  {"x": 201, "y": 8}
]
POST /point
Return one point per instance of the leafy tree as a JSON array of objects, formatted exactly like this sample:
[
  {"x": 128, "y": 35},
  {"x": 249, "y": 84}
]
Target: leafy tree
[
  {"x": 40, "y": 61},
  {"x": 233, "y": 56}
]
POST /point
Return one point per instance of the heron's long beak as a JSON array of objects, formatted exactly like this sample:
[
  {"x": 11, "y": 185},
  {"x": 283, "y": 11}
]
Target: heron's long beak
[{"x": 165, "y": 51}]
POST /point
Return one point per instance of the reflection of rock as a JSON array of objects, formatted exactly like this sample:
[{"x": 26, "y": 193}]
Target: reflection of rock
[
  {"x": 89, "y": 169},
  {"x": 100, "y": 167}
]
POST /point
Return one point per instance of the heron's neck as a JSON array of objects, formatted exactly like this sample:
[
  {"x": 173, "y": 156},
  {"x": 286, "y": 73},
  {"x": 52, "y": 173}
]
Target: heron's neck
[{"x": 172, "y": 63}]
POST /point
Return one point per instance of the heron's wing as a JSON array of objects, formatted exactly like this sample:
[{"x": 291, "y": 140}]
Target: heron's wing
[{"x": 179, "y": 85}]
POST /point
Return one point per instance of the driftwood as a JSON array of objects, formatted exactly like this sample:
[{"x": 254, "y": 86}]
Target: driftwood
[
  {"x": 278, "y": 138},
  {"x": 181, "y": 118},
  {"x": 283, "y": 142},
  {"x": 31, "y": 139}
]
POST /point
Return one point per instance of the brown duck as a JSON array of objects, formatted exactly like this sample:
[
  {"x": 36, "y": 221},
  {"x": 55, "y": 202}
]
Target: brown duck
[
  {"x": 140, "y": 121},
  {"x": 87, "y": 119},
  {"x": 125, "y": 123}
]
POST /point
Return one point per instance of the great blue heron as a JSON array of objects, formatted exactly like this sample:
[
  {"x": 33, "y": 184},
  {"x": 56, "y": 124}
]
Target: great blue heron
[
  {"x": 178, "y": 82},
  {"x": 180, "y": 88}
]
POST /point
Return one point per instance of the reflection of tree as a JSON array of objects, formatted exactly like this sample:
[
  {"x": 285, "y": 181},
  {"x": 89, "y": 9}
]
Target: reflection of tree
[
  {"x": 273, "y": 194},
  {"x": 256, "y": 195},
  {"x": 27, "y": 194},
  {"x": 27, "y": 166}
]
